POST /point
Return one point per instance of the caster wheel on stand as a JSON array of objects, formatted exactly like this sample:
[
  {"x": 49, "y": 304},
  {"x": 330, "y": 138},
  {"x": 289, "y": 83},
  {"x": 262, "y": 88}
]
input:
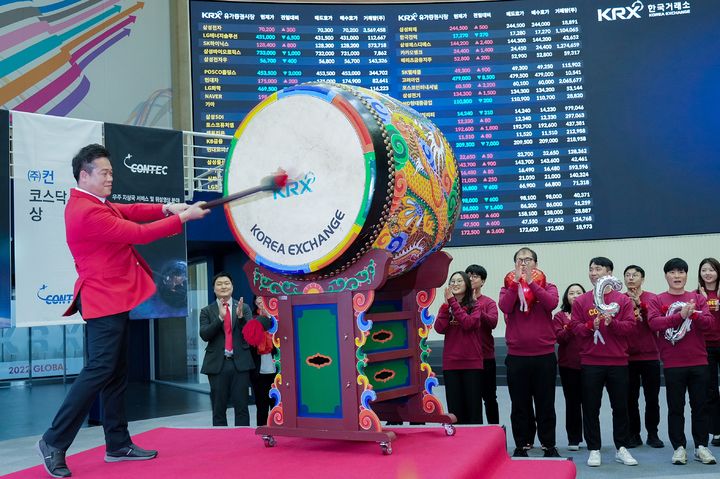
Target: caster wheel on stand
[
  {"x": 449, "y": 429},
  {"x": 269, "y": 441},
  {"x": 386, "y": 448}
]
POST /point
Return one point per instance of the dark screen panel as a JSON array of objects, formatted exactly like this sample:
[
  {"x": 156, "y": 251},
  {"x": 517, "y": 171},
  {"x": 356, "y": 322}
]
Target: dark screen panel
[{"x": 570, "y": 120}]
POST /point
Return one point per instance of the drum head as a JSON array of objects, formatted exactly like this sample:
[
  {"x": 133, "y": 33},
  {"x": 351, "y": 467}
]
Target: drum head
[{"x": 321, "y": 141}]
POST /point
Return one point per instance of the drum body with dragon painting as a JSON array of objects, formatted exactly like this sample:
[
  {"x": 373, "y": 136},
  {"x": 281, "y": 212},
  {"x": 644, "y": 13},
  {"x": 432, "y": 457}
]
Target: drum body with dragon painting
[{"x": 374, "y": 192}]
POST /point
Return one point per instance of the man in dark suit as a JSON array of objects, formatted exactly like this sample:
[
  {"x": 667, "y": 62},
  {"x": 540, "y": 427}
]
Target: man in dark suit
[
  {"x": 112, "y": 279},
  {"x": 228, "y": 358}
]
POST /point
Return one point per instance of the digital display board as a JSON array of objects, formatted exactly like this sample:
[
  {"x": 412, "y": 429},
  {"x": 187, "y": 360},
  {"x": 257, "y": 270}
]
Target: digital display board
[{"x": 570, "y": 120}]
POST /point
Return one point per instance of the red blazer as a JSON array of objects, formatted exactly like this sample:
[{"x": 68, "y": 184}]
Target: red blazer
[{"x": 113, "y": 277}]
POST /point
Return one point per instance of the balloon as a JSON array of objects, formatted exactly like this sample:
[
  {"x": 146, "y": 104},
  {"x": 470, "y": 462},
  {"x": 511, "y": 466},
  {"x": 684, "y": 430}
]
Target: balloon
[
  {"x": 676, "y": 334},
  {"x": 525, "y": 294},
  {"x": 599, "y": 294}
]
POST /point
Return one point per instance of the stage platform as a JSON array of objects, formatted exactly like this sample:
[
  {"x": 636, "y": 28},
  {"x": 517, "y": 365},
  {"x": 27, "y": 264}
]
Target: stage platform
[{"x": 472, "y": 453}]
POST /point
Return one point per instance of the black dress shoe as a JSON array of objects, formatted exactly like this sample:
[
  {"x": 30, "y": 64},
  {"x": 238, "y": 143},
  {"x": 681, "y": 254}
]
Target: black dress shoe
[
  {"x": 551, "y": 452},
  {"x": 53, "y": 459},
  {"x": 130, "y": 453},
  {"x": 634, "y": 441},
  {"x": 520, "y": 452},
  {"x": 654, "y": 441}
]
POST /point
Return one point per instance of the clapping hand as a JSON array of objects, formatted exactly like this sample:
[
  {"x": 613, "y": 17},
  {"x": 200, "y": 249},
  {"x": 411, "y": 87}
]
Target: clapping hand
[{"x": 239, "y": 308}]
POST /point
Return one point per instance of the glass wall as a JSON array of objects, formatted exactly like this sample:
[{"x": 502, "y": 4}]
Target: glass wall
[
  {"x": 41, "y": 352},
  {"x": 179, "y": 351}
]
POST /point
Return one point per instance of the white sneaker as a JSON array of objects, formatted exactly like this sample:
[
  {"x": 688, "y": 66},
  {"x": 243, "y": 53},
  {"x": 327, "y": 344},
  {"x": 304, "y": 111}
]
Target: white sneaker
[
  {"x": 623, "y": 455},
  {"x": 594, "y": 460},
  {"x": 704, "y": 455},
  {"x": 679, "y": 456}
]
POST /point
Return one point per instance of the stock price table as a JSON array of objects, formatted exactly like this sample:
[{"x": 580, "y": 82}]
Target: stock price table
[{"x": 506, "y": 82}]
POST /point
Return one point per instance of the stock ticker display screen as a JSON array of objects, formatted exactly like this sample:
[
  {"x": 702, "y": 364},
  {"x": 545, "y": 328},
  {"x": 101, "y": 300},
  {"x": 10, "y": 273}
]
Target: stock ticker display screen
[{"x": 570, "y": 120}]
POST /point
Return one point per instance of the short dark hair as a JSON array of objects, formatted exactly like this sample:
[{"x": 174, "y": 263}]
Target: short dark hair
[
  {"x": 602, "y": 261},
  {"x": 566, "y": 307},
  {"x": 675, "y": 263},
  {"x": 85, "y": 157},
  {"x": 478, "y": 270},
  {"x": 222, "y": 274},
  {"x": 525, "y": 248},
  {"x": 636, "y": 268}
]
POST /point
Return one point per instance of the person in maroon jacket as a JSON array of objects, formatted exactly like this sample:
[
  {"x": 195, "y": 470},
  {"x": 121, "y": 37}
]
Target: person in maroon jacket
[
  {"x": 478, "y": 275},
  {"x": 569, "y": 366},
  {"x": 604, "y": 360},
  {"x": 684, "y": 358},
  {"x": 112, "y": 279},
  {"x": 643, "y": 363},
  {"x": 709, "y": 287},
  {"x": 531, "y": 363},
  {"x": 460, "y": 319}
]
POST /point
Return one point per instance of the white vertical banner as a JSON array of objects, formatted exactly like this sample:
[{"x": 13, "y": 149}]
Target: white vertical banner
[{"x": 43, "y": 148}]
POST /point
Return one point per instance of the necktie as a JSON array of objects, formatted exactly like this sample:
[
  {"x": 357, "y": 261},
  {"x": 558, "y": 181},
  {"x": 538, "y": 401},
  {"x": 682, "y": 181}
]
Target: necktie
[{"x": 227, "y": 326}]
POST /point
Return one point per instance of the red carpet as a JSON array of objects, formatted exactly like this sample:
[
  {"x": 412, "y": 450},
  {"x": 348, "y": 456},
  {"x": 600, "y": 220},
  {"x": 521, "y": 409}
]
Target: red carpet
[{"x": 474, "y": 452}]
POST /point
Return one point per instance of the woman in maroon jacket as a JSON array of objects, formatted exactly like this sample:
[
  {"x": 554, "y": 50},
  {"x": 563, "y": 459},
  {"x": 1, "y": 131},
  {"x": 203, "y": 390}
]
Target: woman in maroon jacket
[
  {"x": 459, "y": 319},
  {"x": 569, "y": 366},
  {"x": 709, "y": 287}
]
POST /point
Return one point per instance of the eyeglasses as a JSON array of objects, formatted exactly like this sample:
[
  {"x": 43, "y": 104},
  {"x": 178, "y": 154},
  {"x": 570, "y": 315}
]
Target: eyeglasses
[
  {"x": 632, "y": 275},
  {"x": 457, "y": 281},
  {"x": 525, "y": 260},
  {"x": 473, "y": 276}
]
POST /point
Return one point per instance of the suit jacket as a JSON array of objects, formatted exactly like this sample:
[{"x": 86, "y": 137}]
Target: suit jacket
[
  {"x": 112, "y": 276},
  {"x": 211, "y": 330}
]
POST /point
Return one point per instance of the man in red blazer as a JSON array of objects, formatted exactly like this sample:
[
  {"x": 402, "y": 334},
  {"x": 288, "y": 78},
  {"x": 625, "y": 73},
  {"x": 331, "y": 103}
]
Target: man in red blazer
[{"x": 112, "y": 279}]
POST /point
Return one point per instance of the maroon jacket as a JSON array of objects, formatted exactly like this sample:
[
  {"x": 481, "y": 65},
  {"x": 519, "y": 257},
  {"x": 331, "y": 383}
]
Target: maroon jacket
[
  {"x": 488, "y": 322},
  {"x": 690, "y": 350},
  {"x": 463, "y": 340},
  {"x": 569, "y": 345},
  {"x": 529, "y": 333},
  {"x": 642, "y": 345},
  {"x": 712, "y": 335},
  {"x": 614, "y": 351}
]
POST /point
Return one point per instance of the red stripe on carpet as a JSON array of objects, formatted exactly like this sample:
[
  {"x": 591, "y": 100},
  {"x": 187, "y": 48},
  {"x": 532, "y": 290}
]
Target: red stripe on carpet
[{"x": 474, "y": 452}]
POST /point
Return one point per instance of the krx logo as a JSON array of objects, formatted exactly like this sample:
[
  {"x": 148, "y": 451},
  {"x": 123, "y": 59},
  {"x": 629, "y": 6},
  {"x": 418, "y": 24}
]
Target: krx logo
[
  {"x": 296, "y": 188},
  {"x": 620, "y": 13}
]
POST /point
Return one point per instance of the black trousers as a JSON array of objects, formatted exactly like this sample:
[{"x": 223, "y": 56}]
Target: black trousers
[
  {"x": 261, "y": 384},
  {"x": 692, "y": 379},
  {"x": 230, "y": 385},
  {"x": 532, "y": 379},
  {"x": 463, "y": 391},
  {"x": 105, "y": 372},
  {"x": 713, "y": 397},
  {"x": 615, "y": 379},
  {"x": 646, "y": 373},
  {"x": 489, "y": 391},
  {"x": 571, "y": 380}
]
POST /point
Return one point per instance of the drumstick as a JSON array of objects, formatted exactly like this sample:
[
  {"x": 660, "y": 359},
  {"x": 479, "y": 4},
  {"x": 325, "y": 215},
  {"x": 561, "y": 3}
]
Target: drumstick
[{"x": 268, "y": 183}]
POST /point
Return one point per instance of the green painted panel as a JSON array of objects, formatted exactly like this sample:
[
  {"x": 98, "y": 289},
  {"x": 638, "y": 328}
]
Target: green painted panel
[
  {"x": 387, "y": 336},
  {"x": 389, "y": 374},
  {"x": 317, "y": 359}
]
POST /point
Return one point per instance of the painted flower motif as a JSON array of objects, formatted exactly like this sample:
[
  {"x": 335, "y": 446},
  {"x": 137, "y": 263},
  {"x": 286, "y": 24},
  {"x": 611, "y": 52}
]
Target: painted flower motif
[{"x": 313, "y": 288}]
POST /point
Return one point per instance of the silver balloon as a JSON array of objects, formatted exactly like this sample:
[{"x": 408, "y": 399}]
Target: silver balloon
[
  {"x": 676, "y": 334},
  {"x": 599, "y": 294}
]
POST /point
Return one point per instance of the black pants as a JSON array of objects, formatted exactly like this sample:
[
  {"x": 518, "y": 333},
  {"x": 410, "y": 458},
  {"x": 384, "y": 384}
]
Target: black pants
[
  {"x": 230, "y": 384},
  {"x": 489, "y": 391},
  {"x": 572, "y": 390},
  {"x": 713, "y": 398},
  {"x": 105, "y": 372},
  {"x": 647, "y": 373},
  {"x": 261, "y": 384},
  {"x": 532, "y": 378},
  {"x": 692, "y": 379},
  {"x": 615, "y": 379},
  {"x": 463, "y": 390}
]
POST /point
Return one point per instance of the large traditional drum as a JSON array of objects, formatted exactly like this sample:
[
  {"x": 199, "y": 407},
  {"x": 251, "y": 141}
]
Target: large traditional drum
[{"x": 365, "y": 172}]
